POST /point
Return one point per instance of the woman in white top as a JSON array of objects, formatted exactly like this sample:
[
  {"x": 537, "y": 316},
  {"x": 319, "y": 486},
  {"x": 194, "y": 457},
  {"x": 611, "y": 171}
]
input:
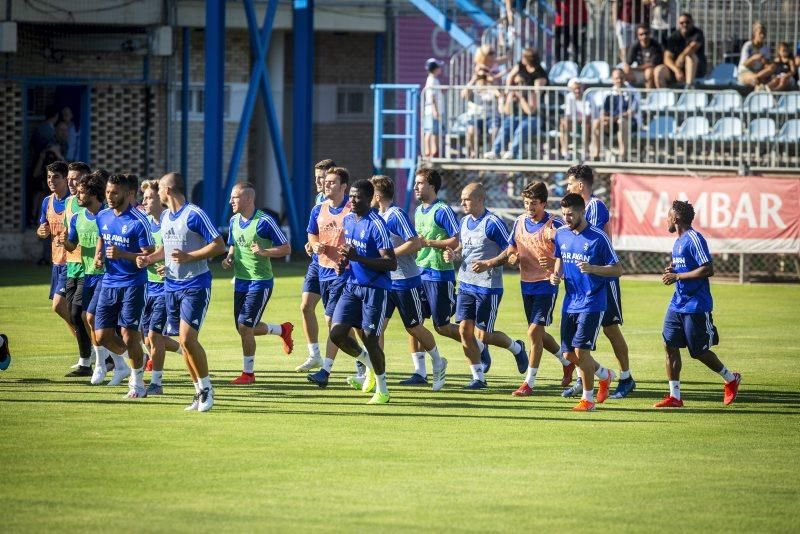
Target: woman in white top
[{"x": 755, "y": 67}]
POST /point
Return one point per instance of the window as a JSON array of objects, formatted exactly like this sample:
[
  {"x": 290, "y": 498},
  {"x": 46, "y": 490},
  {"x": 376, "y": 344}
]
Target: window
[
  {"x": 197, "y": 102},
  {"x": 352, "y": 103}
]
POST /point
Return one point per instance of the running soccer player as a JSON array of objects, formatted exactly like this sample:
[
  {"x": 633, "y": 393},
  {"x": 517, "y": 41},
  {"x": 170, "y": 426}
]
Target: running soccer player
[
  {"x": 5, "y": 353},
  {"x": 83, "y": 235},
  {"x": 124, "y": 234},
  {"x": 75, "y": 278},
  {"x": 154, "y": 323},
  {"x": 406, "y": 294},
  {"x": 51, "y": 224},
  {"x": 311, "y": 290},
  {"x": 254, "y": 239},
  {"x": 688, "y": 321},
  {"x": 580, "y": 180},
  {"x": 190, "y": 240},
  {"x": 484, "y": 240},
  {"x": 531, "y": 247},
  {"x": 584, "y": 259},
  {"x": 369, "y": 254}
]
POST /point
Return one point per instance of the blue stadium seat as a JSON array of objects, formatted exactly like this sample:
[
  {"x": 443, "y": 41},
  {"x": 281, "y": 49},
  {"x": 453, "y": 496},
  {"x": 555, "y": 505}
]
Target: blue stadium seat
[
  {"x": 595, "y": 72},
  {"x": 723, "y": 74},
  {"x": 758, "y": 102},
  {"x": 761, "y": 130},
  {"x": 690, "y": 101},
  {"x": 790, "y": 132},
  {"x": 659, "y": 100},
  {"x": 660, "y": 127},
  {"x": 788, "y": 104},
  {"x": 693, "y": 128},
  {"x": 562, "y": 72},
  {"x": 726, "y": 129},
  {"x": 725, "y": 101}
]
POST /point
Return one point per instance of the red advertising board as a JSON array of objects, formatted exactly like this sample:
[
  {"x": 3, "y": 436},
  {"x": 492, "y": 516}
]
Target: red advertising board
[{"x": 744, "y": 214}]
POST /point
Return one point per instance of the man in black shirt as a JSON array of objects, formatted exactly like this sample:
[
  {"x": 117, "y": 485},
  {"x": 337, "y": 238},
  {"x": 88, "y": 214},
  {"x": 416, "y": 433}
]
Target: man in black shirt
[
  {"x": 685, "y": 55},
  {"x": 642, "y": 59}
]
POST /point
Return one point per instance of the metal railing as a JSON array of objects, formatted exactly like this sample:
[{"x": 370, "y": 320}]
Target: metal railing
[{"x": 645, "y": 130}]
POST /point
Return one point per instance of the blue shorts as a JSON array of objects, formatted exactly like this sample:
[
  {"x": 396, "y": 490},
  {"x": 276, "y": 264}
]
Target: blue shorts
[
  {"x": 580, "y": 330},
  {"x": 440, "y": 296},
  {"x": 249, "y": 306},
  {"x": 58, "y": 281},
  {"x": 188, "y": 305},
  {"x": 430, "y": 125},
  {"x": 311, "y": 282},
  {"x": 693, "y": 330},
  {"x": 154, "y": 315},
  {"x": 362, "y": 307},
  {"x": 119, "y": 306},
  {"x": 331, "y": 291},
  {"x": 613, "y": 313},
  {"x": 478, "y": 307},
  {"x": 410, "y": 303},
  {"x": 539, "y": 308},
  {"x": 91, "y": 283},
  {"x": 92, "y": 307}
]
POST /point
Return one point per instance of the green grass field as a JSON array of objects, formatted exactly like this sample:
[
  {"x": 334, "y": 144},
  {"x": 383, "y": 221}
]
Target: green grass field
[{"x": 286, "y": 456}]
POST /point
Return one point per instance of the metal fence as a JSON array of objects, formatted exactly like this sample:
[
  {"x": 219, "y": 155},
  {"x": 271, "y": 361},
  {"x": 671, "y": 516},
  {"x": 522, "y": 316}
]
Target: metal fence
[{"x": 630, "y": 128}]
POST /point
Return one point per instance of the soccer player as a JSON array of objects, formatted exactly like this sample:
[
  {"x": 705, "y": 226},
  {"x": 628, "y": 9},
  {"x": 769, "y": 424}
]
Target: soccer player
[
  {"x": 190, "y": 240},
  {"x": 311, "y": 290},
  {"x": 5, "y": 353},
  {"x": 406, "y": 292},
  {"x": 83, "y": 235},
  {"x": 75, "y": 276},
  {"x": 531, "y": 247},
  {"x": 369, "y": 254},
  {"x": 688, "y": 322},
  {"x": 484, "y": 240},
  {"x": 584, "y": 259},
  {"x": 154, "y": 323},
  {"x": 326, "y": 235},
  {"x": 254, "y": 238},
  {"x": 580, "y": 180},
  {"x": 51, "y": 224},
  {"x": 124, "y": 234}
]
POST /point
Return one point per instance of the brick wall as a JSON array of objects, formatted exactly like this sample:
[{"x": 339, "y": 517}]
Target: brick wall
[{"x": 11, "y": 156}]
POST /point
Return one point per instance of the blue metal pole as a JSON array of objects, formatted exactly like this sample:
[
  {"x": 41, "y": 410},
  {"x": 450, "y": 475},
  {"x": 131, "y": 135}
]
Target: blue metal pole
[
  {"x": 303, "y": 92},
  {"x": 185, "y": 68},
  {"x": 214, "y": 105},
  {"x": 378, "y": 103}
]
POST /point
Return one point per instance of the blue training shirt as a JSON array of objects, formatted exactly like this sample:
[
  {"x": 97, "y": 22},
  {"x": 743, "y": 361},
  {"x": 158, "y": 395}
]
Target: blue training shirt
[
  {"x": 325, "y": 273},
  {"x": 689, "y": 252},
  {"x": 197, "y": 221},
  {"x": 266, "y": 228},
  {"x": 446, "y": 218},
  {"x": 399, "y": 224},
  {"x": 543, "y": 287},
  {"x": 584, "y": 292},
  {"x": 129, "y": 231},
  {"x": 368, "y": 235},
  {"x": 597, "y": 213},
  {"x": 495, "y": 230}
]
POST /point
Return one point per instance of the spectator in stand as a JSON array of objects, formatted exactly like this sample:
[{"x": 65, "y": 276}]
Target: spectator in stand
[
  {"x": 643, "y": 58},
  {"x": 45, "y": 133},
  {"x": 55, "y": 150},
  {"x": 521, "y": 103},
  {"x": 482, "y": 109},
  {"x": 72, "y": 138},
  {"x": 572, "y": 17},
  {"x": 485, "y": 60},
  {"x": 684, "y": 55},
  {"x": 617, "y": 117},
  {"x": 663, "y": 19},
  {"x": 755, "y": 66},
  {"x": 629, "y": 13},
  {"x": 530, "y": 69},
  {"x": 575, "y": 119},
  {"x": 785, "y": 70},
  {"x": 433, "y": 109}
]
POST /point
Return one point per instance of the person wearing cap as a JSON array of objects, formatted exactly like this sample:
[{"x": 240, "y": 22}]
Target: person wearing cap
[{"x": 433, "y": 108}]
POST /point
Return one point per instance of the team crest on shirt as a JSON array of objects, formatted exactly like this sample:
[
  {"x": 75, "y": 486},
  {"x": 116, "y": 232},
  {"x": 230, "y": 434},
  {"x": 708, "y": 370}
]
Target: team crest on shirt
[
  {"x": 363, "y": 233},
  {"x": 585, "y": 247},
  {"x": 124, "y": 228}
]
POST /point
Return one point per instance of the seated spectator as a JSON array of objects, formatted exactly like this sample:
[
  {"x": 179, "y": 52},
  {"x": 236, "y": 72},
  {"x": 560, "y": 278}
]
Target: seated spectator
[
  {"x": 663, "y": 19},
  {"x": 785, "y": 76},
  {"x": 482, "y": 109},
  {"x": 684, "y": 55},
  {"x": 575, "y": 119},
  {"x": 643, "y": 58},
  {"x": 433, "y": 108},
  {"x": 521, "y": 105},
  {"x": 530, "y": 69},
  {"x": 755, "y": 67},
  {"x": 630, "y": 13},
  {"x": 617, "y": 117},
  {"x": 511, "y": 110},
  {"x": 485, "y": 62}
]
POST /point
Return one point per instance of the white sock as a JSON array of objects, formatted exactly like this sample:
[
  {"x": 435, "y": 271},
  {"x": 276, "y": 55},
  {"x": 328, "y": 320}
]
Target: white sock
[
  {"x": 364, "y": 358},
  {"x": 156, "y": 378},
  {"x": 602, "y": 373},
  {"x": 99, "y": 356},
  {"x": 726, "y": 375},
  {"x": 85, "y": 362},
  {"x": 588, "y": 395},
  {"x": 145, "y": 350},
  {"x": 675, "y": 389},
  {"x": 380, "y": 384},
  {"x": 624, "y": 375},
  {"x": 477, "y": 372},
  {"x": 313, "y": 350},
  {"x": 530, "y": 378},
  {"x": 120, "y": 360},
  {"x": 179, "y": 350},
  {"x": 418, "y": 358},
  {"x": 327, "y": 364},
  {"x": 437, "y": 360},
  {"x": 205, "y": 383},
  {"x": 481, "y": 345},
  {"x": 560, "y": 357},
  {"x": 197, "y": 387},
  {"x": 248, "y": 364},
  {"x": 137, "y": 377},
  {"x": 514, "y": 347},
  {"x": 274, "y": 329}
]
